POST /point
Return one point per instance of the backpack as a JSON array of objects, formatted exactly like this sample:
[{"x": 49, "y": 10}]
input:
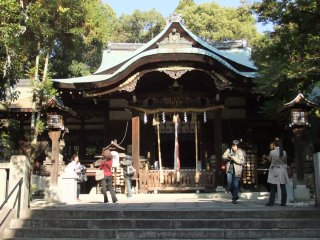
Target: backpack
[{"x": 130, "y": 170}]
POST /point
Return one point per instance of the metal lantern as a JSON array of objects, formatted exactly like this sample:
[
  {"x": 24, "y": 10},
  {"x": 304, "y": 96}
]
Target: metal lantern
[
  {"x": 299, "y": 117},
  {"x": 299, "y": 108},
  {"x": 54, "y": 121}
]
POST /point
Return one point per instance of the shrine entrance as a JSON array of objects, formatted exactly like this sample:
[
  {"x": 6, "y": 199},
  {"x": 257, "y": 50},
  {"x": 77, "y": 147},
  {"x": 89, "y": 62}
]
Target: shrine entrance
[{"x": 186, "y": 150}]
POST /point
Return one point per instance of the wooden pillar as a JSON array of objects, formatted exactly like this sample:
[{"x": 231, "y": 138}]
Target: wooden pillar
[
  {"x": 54, "y": 136},
  {"x": 106, "y": 139},
  {"x": 218, "y": 146},
  {"x": 82, "y": 139},
  {"x": 136, "y": 140}
]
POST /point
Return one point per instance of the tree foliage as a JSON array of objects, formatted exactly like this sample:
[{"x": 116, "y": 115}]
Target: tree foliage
[
  {"x": 213, "y": 22},
  {"x": 11, "y": 52},
  {"x": 139, "y": 26},
  {"x": 8, "y": 138},
  {"x": 81, "y": 46},
  {"x": 287, "y": 58}
]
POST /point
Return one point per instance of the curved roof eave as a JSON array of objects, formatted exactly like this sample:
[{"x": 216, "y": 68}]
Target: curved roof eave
[
  {"x": 231, "y": 56},
  {"x": 136, "y": 52},
  {"x": 105, "y": 77},
  {"x": 224, "y": 54}
]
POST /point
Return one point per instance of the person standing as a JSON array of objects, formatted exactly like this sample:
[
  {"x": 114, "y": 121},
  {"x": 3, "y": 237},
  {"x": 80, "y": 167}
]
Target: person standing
[
  {"x": 126, "y": 164},
  {"x": 107, "y": 181},
  {"x": 277, "y": 173},
  {"x": 234, "y": 159}
]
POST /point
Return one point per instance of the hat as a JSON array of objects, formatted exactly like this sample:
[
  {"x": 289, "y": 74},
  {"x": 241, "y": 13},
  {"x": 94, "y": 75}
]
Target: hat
[
  {"x": 128, "y": 157},
  {"x": 235, "y": 142}
]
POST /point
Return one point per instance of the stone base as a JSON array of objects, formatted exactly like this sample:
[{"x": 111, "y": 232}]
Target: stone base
[
  {"x": 52, "y": 195},
  {"x": 220, "y": 189},
  {"x": 301, "y": 193}
]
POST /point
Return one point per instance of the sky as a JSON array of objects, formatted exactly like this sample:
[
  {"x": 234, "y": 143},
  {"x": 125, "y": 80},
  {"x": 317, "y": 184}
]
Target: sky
[{"x": 165, "y": 7}]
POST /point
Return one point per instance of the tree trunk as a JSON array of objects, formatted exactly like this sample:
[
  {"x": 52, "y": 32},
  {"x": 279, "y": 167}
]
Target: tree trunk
[
  {"x": 6, "y": 78},
  {"x": 46, "y": 63},
  {"x": 33, "y": 116}
]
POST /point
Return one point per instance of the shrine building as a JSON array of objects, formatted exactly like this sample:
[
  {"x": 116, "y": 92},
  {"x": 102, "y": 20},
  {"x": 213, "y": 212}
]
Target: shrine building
[{"x": 174, "y": 104}]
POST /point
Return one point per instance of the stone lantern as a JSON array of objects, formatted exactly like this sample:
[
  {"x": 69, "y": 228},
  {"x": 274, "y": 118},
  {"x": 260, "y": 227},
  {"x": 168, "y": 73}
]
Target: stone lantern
[
  {"x": 56, "y": 129},
  {"x": 299, "y": 108}
]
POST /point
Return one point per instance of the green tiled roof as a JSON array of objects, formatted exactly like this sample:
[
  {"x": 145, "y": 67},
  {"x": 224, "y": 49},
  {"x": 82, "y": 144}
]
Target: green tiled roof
[{"x": 115, "y": 62}]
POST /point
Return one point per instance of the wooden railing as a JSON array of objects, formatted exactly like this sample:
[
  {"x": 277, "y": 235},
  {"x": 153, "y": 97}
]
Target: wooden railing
[{"x": 149, "y": 180}]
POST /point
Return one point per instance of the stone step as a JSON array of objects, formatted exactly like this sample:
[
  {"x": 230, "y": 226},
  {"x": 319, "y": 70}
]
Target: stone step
[
  {"x": 109, "y": 224},
  {"x": 118, "y": 223},
  {"x": 191, "y": 233},
  {"x": 24, "y": 238},
  {"x": 266, "y": 213}
]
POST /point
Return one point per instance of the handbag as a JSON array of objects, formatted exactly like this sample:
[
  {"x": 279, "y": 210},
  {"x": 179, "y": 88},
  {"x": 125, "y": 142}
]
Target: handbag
[{"x": 99, "y": 175}]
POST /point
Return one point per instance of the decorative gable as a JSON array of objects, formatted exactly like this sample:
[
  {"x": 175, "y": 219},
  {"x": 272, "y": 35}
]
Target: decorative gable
[{"x": 174, "y": 40}]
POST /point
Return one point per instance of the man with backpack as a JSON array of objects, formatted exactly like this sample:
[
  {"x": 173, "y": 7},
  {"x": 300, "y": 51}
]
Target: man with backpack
[
  {"x": 128, "y": 172},
  {"x": 234, "y": 158}
]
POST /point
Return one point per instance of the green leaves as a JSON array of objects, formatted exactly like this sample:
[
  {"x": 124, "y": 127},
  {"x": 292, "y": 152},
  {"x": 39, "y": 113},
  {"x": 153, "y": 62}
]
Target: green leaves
[
  {"x": 10, "y": 48},
  {"x": 139, "y": 26},
  {"x": 212, "y": 22},
  {"x": 287, "y": 58}
]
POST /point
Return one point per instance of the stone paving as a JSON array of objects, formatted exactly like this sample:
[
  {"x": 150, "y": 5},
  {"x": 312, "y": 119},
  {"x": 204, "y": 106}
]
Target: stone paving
[{"x": 192, "y": 201}]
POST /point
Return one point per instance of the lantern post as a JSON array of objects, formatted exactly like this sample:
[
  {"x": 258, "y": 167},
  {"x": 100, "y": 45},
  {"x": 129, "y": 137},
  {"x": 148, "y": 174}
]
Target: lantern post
[
  {"x": 55, "y": 126},
  {"x": 299, "y": 108},
  {"x": 56, "y": 130}
]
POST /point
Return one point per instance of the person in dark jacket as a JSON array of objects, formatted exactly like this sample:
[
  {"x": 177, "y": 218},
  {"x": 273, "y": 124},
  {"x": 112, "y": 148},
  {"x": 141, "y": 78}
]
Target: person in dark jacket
[
  {"x": 235, "y": 159},
  {"x": 107, "y": 181}
]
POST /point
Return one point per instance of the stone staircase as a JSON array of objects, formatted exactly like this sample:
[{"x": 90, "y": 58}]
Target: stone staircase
[{"x": 108, "y": 223}]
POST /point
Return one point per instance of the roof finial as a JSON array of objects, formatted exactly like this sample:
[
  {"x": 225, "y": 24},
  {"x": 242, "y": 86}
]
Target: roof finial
[{"x": 175, "y": 17}]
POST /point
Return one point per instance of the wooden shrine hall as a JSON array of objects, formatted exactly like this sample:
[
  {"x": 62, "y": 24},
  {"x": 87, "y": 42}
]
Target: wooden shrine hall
[{"x": 176, "y": 102}]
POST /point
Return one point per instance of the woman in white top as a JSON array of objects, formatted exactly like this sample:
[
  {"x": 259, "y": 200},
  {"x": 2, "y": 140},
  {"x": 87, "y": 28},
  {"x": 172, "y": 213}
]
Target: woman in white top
[
  {"x": 278, "y": 173},
  {"x": 75, "y": 166}
]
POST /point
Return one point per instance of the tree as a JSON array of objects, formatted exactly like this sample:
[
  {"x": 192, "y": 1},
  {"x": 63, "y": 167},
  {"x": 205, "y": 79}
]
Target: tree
[
  {"x": 139, "y": 26},
  {"x": 183, "y": 4},
  {"x": 10, "y": 50},
  {"x": 78, "y": 51},
  {"x": 213, "y": 22},
  {"x": 287, "y": 58},
  {"x": 11, "y": 66}
]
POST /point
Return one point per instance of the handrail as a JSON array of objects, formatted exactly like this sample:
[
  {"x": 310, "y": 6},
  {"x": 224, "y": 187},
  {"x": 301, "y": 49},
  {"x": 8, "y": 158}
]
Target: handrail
[{"x": 18, "y": 197}]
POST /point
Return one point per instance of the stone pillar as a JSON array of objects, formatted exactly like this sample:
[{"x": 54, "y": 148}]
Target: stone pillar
[
  {"x": 316, "y": 162},
  {"x": 67, "y": 185},
  {"x": 19, "y": 167},
  {"x": 3, "y": 186},
  {"x": 299, "y": 154},
  {"x": 301, "y": 192}
]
